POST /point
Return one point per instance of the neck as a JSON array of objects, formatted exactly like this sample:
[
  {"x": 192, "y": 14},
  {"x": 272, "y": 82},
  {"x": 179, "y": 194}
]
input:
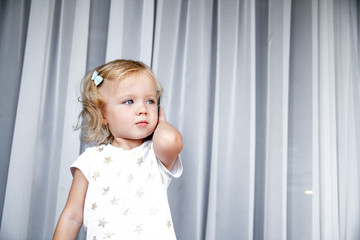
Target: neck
[{"x": 127, "y": 144}]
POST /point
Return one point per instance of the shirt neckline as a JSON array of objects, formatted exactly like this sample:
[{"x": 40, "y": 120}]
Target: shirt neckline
[{"x": 135, "y": 149}]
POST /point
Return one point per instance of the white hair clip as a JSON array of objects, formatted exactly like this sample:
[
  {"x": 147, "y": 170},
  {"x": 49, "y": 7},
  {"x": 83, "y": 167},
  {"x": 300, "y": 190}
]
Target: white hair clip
[{"x": 96, "y": 78}]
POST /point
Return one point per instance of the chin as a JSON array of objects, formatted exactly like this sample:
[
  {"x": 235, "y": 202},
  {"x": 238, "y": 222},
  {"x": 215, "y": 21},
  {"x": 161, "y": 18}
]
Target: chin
[{"x": 149, "y": 137}]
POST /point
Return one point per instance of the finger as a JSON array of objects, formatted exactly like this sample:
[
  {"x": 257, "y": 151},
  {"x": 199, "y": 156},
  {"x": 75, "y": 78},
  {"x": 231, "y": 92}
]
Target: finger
[{"x": 161, "y": 114}]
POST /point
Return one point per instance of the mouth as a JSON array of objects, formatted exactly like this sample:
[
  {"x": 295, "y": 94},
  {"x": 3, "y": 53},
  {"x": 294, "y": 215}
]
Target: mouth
[{"x": 142, "y": 123}]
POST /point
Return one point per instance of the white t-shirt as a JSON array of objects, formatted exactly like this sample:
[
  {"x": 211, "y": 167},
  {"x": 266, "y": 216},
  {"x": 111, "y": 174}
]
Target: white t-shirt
[{"x": 127, "y": 193}]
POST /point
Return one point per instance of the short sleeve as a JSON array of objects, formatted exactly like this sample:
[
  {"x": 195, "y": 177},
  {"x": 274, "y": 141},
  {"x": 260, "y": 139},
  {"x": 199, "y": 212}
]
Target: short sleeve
[
  {"x": 175, "y": 171},
  {"x": 83, "y": 164}
]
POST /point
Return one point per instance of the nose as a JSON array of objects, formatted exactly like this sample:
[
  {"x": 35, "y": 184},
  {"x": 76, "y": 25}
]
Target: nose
[{"x": 142, "y": 110}]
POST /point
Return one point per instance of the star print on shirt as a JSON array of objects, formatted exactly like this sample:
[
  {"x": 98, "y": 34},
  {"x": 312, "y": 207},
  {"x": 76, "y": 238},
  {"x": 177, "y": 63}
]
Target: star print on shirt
[
  {"x": 102, "y": 223},
  {"x": 138, "y": 228},
  {"x": 126, "y": 212},
  {"x": 96, "y": 175},
  {"x": 139, "y": 161},
  {"x": 168, "y": 224},
  {"x": 107, "y": 160},
  {"x": 114, "y": 201},
  {"x": 106, "y": 190},
  {"x": 130, "y": 177},
  {"x": 153, "y": 211},
  {"x": 100, "y": 150},
  {"x": 139, "y": 193},
  {"x": 94, "y": 206},
  {"x": 151, "y": 176},
  {"x": 108, "y": 235}
]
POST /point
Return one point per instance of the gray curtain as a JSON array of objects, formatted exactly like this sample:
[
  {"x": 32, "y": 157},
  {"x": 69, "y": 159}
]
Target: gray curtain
[{"x": 266, "y": 94}]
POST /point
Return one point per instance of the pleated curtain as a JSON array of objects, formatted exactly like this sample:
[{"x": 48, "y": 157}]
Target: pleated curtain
[{"x": 266, "y": 94}]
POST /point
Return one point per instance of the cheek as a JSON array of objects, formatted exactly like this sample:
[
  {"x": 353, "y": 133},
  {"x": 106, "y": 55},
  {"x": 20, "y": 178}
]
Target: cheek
[
  {"x": 116, "y": 116},
  {"x": 155, "y": 114},
  {"x": 155, "y": 117}
]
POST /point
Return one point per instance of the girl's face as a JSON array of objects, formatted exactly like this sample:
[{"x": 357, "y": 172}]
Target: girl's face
[{"x": 130, "y": 109}]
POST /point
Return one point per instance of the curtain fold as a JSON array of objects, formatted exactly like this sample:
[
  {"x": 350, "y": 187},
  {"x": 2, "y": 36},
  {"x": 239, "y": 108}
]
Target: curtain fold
[
  {"x": 265, "y": 93},
  {"x": 12, "y": 43},
  {"x": 21, "y": 171},
  {"x": 276, "y": 150},
  {"x": 76, "y": 16}
]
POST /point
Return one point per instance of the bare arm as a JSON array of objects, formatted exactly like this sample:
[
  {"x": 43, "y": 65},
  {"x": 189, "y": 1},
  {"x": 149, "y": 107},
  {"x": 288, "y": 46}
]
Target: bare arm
[
  {"x": 71, "y": 218},
  {"x": 167, "y": 141}
]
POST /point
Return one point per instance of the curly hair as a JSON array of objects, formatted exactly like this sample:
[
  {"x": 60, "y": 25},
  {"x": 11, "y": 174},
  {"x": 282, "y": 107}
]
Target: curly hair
[{"x": 91, "y": 118}]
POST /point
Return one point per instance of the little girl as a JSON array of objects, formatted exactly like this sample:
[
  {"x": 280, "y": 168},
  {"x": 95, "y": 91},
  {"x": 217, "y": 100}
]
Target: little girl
[{"x": 119, "y": 188}]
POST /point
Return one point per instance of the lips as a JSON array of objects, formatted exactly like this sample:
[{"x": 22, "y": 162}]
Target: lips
[{"x": 142, "y": 123}]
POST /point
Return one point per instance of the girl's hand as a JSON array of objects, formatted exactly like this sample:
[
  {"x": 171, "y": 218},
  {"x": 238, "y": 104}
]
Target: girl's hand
[{"x": 162, "y": 117}]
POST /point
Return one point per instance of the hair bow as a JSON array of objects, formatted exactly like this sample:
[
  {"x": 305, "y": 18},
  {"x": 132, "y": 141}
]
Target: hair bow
[{"x": 96, "y": 78}]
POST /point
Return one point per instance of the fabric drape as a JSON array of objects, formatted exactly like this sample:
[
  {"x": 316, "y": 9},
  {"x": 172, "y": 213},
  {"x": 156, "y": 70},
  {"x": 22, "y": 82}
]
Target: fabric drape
[{"x": 265, "y": 93}]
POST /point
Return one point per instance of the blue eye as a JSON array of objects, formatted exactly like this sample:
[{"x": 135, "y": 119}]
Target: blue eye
[
  {"x": 128, "y": 102},
  {"x": 150, "y": 101}
]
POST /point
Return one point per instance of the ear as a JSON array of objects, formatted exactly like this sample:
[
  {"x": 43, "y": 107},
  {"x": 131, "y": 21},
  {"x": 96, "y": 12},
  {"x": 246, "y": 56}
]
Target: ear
[{"x": 104, "y": 121}]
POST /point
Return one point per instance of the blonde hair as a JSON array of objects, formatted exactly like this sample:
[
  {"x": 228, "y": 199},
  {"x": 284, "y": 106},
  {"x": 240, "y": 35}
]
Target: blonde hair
[{"x": 90, "y": 118}]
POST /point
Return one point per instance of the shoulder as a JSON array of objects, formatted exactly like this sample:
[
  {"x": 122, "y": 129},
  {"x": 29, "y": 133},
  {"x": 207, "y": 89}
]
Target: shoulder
[
  {"x": 88, "y": 158},
  {"x": 95, "y": 149}
]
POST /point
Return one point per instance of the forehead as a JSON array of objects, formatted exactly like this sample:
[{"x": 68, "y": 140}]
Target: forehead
[
  {"x": 137, "y": 80},
  {"x": 131, "y": 84}
]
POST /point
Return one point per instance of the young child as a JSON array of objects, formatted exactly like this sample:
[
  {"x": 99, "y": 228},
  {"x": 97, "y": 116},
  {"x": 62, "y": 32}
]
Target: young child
[{"x": 119, "y": 188}]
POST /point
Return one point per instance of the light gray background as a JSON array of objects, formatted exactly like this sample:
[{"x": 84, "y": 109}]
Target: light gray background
[{"x": 265, "y": 92}]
